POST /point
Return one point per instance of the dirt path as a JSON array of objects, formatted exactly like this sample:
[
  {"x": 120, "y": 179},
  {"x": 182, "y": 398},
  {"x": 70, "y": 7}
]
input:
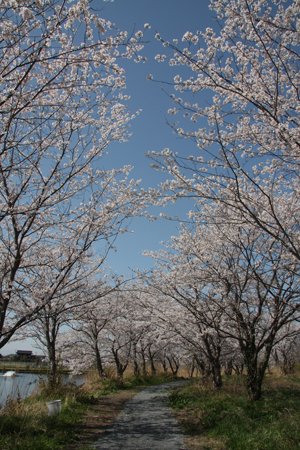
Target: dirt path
[
  {"x": 146, "y": 423},
  {"x": 100, "y": 418}
]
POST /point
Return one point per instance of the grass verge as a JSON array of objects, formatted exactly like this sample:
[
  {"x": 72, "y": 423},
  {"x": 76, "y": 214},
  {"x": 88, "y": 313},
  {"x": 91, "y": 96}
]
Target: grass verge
[
  {"x": 114, "y": 385},
  {"x": 25, "y": 425},
  {"x": 226, "y": 419}
]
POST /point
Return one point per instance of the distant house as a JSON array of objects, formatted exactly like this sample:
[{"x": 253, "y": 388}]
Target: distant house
[{"x": 24, "y": 354}]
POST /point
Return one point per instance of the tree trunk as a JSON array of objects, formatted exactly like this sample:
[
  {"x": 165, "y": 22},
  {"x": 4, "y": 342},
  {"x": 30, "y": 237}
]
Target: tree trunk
[
  {"x": 136, "y": 369},
  {"x": 255, "y": 370},
  {"x": 228, "y": 367},
  {"x": 164, "y": 364},
  {"x": 213, "y": 352},
  {"x": 216, "y": 376},
  {"x": 119, "y": 366},
  {"x": 204, "y": 369},
  {"x": 152, "y": 365},
  {"x": 287, "y": 366},
  {"x": 174, "y": 365},
  {"x": 52, "y": 377},
  {"x": 143, "y": 362},
  {"x": 238, "y": 368},
  {"x": 99, "y": 363},
  {"x": 254, "y": 382},
  {"x": 191, "y": 368}
]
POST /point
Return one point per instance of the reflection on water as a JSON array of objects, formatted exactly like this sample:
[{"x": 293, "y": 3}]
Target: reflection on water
[
  {"x": 22, "y": 385},
  {"x": 19, "y": 386}
]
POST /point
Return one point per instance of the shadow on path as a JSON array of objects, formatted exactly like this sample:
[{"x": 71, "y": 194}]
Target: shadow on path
[{"x": 146, "y": 423}]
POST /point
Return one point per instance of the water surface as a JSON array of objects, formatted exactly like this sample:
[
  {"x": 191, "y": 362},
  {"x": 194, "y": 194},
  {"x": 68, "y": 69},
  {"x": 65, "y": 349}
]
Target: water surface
[{"x": 23, "y": 384}]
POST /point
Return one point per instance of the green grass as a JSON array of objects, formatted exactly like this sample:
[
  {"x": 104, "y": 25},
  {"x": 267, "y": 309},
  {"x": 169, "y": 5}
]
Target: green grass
[
  {"x": 228, "y": 420},
  {"x": 221, "y": 420},
  {"x": 25, "y": 425},
  {"x": 113, "y": 385}
]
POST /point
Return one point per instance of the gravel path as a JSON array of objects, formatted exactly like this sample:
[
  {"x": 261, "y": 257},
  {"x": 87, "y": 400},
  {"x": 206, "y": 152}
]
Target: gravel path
[{"x": 146, "y": 423}]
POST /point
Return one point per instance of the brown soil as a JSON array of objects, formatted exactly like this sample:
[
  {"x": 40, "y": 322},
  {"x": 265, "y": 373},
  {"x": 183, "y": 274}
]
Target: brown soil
[
  {"x": 102, "y": 415},
  {"x": 187, "y": 423},
  {"x": 100, "y": 418},
  {"x": 194, "y": 435}
]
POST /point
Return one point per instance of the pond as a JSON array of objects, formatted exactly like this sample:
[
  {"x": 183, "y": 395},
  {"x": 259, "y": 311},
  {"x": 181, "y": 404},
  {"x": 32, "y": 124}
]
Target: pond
[{"x": 23, "y": 384}]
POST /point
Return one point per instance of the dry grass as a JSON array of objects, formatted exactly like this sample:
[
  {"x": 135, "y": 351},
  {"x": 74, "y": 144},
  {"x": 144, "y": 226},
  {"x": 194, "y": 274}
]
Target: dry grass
[
  {"x": 99, "y": 418},
  {"x": 227, "y": 419}
]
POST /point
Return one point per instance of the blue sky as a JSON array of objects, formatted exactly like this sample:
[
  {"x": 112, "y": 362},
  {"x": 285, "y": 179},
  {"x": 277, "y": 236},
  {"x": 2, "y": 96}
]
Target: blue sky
[{"x": 171, "y": 19}]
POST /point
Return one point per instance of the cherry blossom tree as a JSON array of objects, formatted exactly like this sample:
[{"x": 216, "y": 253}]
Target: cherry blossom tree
[
  {"x": 240, "y": 105},
  {"x": 104, "y": 331},
  {"x": 62, "y": 103},
  {"x": 192, "y": 317},
  {"x": 237, "y": 282},
  {"x": 286, "y": 352},
  {"x": 80, "y": 290},
  {"x": 47, "y": 266},
  {"x": 140, "y": 328},
  {"x": 87, "y": 343},
  {"x": 135, "y": 336},
  {"x": 237, "y": 92},
  {"x": 157, "y": 344}
]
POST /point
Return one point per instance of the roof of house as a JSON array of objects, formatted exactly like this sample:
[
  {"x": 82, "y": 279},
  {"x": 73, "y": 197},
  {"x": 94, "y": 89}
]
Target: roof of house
[{"x": 24, "y": 352}]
